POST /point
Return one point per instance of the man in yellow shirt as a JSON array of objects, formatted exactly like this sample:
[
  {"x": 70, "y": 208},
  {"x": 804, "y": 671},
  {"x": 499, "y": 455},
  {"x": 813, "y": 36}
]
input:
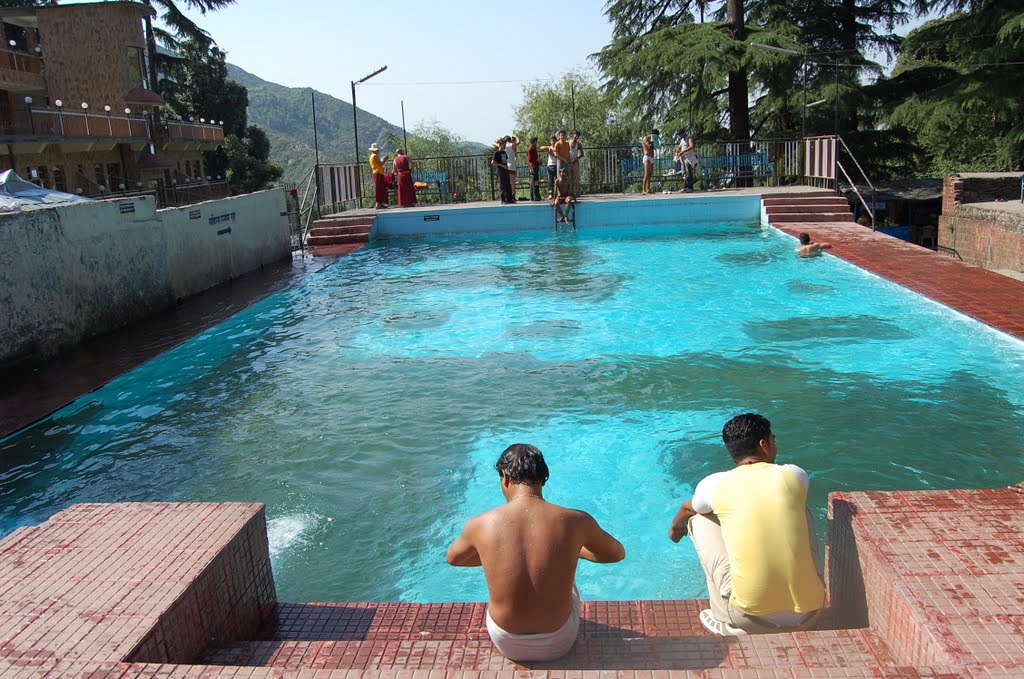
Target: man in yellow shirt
[
  {"x": 380, "y": 179},
  {"x": 754, "y": 537}
]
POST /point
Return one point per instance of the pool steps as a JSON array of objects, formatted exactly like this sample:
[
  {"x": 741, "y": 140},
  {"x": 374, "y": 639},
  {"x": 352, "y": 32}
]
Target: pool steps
[
  {"x": 339, "y": 230},
  {"x": 813, "y": 208}
]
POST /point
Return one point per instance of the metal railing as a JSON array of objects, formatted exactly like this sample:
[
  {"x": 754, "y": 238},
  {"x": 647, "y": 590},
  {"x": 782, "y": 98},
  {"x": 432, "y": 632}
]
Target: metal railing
[
  {"x": 727, "y": 164},
  {"x": 21, "y": 62},
  {"x": 186, "y": 194},
  {"x": 55, "y": 122},
  {"x": 853, "y": 184},
  {"x": 182, "y": 131}
]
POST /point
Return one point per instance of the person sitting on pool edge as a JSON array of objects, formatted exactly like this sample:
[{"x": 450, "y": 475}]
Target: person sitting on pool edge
[
  {"x": 563, "y": 196},
  {"x": 809, "y": 249},
  {"x": 529, "y": 549},
  {"x": 754, "y": 537}
]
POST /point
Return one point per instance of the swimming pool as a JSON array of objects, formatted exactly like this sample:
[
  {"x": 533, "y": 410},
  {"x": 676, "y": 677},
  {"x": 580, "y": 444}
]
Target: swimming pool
[{"x": 367, "y": 405}]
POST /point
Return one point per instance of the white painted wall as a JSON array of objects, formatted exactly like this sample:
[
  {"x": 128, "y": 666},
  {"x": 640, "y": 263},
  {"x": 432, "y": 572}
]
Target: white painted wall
[{"x": 70, "y": 272}]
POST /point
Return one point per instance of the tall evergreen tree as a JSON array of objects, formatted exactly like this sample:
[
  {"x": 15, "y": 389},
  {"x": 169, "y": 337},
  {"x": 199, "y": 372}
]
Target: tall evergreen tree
[{"x": 955, "y": 89}]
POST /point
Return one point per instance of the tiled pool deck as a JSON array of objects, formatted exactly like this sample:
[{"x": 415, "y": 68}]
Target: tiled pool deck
[{"x": 922, "y": 584}]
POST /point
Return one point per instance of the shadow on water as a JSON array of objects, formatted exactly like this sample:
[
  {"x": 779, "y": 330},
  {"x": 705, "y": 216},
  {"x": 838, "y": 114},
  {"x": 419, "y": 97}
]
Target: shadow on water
[
  {"x": 823, "y": 328},
  {"x": 559, "y": 269}
]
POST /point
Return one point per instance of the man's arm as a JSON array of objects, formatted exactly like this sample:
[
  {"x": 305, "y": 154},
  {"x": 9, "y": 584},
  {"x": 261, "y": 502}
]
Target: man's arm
[
  {"x": 463, "y": 551},
  {"x": 598, "y": 545},
  {"x": 679, "y": 523}
]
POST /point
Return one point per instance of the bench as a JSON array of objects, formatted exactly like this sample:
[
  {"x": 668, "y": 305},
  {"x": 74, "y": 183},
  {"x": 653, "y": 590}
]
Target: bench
[
  {"x": 632, "y": 171},
  {"x": 722, "y": 170},
  {"x": 438, "y": 179}
]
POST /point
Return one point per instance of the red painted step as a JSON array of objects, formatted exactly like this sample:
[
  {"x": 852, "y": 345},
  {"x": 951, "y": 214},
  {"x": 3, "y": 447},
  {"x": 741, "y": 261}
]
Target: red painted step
[{"x": 340, "y": 230}]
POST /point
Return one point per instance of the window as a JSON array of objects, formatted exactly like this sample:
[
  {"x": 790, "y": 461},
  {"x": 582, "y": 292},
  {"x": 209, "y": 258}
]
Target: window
[
  {"x": 44, "y": 177},
  {"x": 136, "y": 68},
  {"x": 114, "y": 173},
  {"x": 101, "y": 180},
  {"x": 59, "y": 182}
]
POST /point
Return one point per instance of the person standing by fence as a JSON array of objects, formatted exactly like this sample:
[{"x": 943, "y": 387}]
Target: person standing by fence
[
  {"x": 500, "y": 164},
  {"x": 380, "y": 181},
  {"x": 575, "y": 168},
  {"x": 533, "y": 160},
  {"x": 403, "y": 177},
  {"x": 552, "y": 165}
]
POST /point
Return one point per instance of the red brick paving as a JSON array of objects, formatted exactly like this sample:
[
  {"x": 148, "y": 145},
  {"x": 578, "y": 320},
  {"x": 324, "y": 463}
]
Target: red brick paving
[
  {"x": 987, "y": 296},
  {"x": 923, "y": 584}
]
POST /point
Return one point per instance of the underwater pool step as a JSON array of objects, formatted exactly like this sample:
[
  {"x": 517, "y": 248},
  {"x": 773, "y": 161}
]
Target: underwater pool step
[{"x": 605, "y": 648}]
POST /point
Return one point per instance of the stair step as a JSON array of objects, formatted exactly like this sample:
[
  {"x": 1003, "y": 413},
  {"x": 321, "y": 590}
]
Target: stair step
[
  {"x": 343, "y": 221},
  {"x": 810, "y": 217},
  {"x": 856, "y": 648},
  {"x": 775, "y": 202},
  {"x": 338, "y": 239},
  {"x": 806, "y": 209},
  {"x": 339, "y": 230}
]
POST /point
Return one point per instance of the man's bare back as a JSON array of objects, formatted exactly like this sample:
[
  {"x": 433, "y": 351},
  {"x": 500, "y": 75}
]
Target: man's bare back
[{"x": 529, "y": 549}]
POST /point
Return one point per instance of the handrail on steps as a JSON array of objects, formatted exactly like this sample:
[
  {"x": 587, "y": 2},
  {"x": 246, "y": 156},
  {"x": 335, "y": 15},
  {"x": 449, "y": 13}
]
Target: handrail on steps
[{"x": 871, "y": 208}]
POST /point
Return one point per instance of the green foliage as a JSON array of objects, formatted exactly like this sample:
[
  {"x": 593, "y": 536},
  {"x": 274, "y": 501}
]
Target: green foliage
[
  {"x": 247, "y": 158},
  {"x": 955, "y": 90},
  {"x": 573, "y": 102},
  {"x": 197, "y": 86},
  {"x": 430, "y": 140},
  {"x": 181, "y": 28}
]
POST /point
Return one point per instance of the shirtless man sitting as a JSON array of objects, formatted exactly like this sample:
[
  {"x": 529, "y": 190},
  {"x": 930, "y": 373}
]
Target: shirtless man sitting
[
  {"x": 529, "y": 549},
  {"x": 563, "y": 196},
  {"x": 809, "y": 249}
]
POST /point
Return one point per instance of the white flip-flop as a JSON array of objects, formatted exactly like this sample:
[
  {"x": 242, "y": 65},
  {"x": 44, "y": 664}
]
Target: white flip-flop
[{"x": 718, "y": 627}]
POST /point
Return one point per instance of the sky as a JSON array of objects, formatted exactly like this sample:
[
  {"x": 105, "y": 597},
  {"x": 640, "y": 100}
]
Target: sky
[{"x": 462, "y": 63}]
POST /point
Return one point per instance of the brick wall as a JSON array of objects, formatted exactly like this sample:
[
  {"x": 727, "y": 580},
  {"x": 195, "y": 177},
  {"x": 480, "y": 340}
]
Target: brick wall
[
  {"x": 86, "y": 52},
  {"x": 992, "y": 239}
]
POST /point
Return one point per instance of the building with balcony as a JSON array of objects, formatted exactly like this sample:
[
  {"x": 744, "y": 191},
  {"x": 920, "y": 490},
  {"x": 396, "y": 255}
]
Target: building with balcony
[{"x": 78, "y": 114}]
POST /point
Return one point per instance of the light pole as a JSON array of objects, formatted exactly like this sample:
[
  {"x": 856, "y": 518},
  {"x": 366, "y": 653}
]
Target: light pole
[{"x": 355, "y": 126}]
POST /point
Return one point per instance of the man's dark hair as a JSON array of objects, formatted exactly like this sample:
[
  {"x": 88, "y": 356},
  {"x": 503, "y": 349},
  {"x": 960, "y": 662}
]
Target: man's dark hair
[
  {"x": 805, "y": 239},
  {"x": 533, "y": 140},
  {"x": 743, "y": 432},
  {"x": 655, "y": 131},
  {"x": 577, "y": 133},
  {"x": 523, "y": 463}
]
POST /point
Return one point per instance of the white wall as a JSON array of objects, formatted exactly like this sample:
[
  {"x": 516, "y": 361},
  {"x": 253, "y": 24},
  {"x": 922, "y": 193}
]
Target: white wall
[{"x": 70, "y": 272}]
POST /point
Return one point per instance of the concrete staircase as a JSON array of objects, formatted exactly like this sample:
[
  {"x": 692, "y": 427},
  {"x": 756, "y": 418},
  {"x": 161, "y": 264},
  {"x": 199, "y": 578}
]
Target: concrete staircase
[
  {"x": 340, "y": 230},
  {"x": 614, "y": 635},
  {"x": 807, "y": 207}
]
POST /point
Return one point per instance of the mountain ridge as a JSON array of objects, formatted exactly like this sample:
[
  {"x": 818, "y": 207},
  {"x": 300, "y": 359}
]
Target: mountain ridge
[{"x": 286, "y": 115}]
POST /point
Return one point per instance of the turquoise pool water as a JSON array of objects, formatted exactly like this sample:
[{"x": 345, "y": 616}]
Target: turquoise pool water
[{"x": 367, "y": 405}]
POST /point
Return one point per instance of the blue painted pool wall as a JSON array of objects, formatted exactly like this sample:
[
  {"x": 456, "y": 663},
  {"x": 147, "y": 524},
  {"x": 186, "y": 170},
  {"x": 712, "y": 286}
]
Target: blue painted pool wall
[{"x": 528, "y": 216}]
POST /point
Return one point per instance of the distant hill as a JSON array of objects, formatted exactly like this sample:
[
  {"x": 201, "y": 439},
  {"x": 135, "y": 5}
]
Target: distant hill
[{"x": 286, "y": 115}]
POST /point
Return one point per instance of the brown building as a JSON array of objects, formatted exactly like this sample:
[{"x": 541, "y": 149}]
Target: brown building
[{"x": 77, "y": 111}]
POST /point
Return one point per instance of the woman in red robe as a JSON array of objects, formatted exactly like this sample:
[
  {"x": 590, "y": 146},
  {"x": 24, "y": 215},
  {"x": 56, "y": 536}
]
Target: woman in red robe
[{"x": 403, "y": 177}]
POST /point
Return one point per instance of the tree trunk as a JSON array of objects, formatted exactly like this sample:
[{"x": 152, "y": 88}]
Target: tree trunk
[{"x": 739, "y": 114}]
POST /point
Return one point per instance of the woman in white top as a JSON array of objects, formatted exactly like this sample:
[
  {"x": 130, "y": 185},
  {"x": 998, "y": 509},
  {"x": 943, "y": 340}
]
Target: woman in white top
[{"x": 510, "y": 150}]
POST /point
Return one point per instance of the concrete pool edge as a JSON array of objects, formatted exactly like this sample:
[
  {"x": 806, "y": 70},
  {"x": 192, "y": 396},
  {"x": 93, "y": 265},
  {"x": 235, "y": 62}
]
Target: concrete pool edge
[{"x": 147, "y": 589}]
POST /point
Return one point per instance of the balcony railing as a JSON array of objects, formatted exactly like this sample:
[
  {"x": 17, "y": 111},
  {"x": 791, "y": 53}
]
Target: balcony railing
[
  {"x": 49, "y": 122},
  {"x": 19, "y": 61},
  {"x": 188, "y": 194},
  {"x": 179, "y": 131}
]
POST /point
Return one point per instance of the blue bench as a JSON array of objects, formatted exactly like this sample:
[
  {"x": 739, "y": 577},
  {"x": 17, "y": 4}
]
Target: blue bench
[
  {"x": 723, "y": 170},
  {"x": 435, "y": 178},
  {"x": 632, "y": 171}
]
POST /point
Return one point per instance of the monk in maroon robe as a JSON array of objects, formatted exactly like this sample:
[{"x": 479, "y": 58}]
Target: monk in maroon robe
[{"x": 403, "y": 177}]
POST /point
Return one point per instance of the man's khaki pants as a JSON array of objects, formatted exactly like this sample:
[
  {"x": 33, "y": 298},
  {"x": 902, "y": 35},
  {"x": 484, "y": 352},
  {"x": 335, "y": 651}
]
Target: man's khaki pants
[{"x": 706, "y": 533}]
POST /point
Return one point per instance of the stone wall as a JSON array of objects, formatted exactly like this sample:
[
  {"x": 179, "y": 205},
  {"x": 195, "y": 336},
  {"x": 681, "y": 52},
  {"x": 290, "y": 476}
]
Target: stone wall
[
  {"x": 973, "y": 226},
  {"x": 71, "y": 272}
]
